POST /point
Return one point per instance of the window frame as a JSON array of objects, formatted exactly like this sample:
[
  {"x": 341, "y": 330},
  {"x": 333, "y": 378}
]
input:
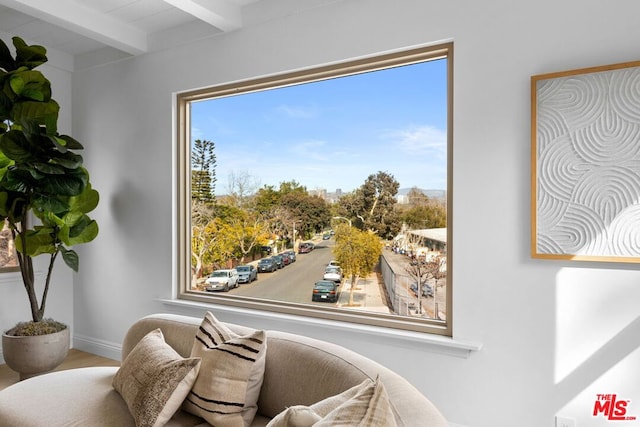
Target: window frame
[{"x": 182, "y": 184}]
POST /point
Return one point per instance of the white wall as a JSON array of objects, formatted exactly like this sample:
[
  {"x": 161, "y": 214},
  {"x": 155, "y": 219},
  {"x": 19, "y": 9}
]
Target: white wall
[{"x": 554, "y": 333}]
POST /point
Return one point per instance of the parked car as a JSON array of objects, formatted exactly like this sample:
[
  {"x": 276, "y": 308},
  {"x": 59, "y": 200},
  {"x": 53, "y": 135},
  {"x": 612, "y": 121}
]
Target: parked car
[
  {"x": 326, "y": 236},
  {"x": 267, "y": 265},
  {"x": 325, "y": 290},
  {"x": 278, "y": 260},
  {"x": 247, "y": 273},
  {"x": 305, "y": 247},
  {"x": 285, "y": 258},
  {"x": 222, "y": 280},
  {"x": 333, "y": 263},
  {"x": 427, "y": 290},
  {"x": 291, "y": 254},
  {"x": 333, "y": 273}
]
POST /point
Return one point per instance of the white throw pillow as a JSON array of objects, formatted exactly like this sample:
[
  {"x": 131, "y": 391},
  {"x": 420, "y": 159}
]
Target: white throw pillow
[
  {"x": 366, "y": 404},
  {"x": 227, "y": 389}
]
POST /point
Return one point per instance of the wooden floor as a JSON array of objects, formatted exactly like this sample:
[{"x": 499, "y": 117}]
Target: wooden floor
[{"x": 75, "y": 359}]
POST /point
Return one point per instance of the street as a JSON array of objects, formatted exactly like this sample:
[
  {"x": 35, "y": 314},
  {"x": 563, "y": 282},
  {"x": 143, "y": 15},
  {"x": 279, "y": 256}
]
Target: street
[{"x": 294, "y": 282}]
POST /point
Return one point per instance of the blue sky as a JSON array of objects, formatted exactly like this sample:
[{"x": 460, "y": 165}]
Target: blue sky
[{"x": 334, "y": 133}]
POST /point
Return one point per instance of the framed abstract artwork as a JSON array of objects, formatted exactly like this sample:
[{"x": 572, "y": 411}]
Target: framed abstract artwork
[{"x": 585, "y": 172}]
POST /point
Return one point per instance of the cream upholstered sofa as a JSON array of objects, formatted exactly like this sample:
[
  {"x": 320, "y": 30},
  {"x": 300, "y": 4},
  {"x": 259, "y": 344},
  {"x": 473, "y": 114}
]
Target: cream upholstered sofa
[{"x": 298, "y": 370}]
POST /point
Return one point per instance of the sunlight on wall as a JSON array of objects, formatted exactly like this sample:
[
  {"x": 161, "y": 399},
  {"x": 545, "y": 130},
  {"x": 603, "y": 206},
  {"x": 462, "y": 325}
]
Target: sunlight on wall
[
  {"x": 597, "y": 344},
  {"x": 592, "y": 306}
]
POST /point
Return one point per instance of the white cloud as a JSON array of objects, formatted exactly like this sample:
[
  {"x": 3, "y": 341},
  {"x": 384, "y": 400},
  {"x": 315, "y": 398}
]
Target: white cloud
[{"x": 419, "y": 140}]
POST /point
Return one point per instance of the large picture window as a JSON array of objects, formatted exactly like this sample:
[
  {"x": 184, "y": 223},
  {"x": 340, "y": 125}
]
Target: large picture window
[{"x": 324, "y": 192}]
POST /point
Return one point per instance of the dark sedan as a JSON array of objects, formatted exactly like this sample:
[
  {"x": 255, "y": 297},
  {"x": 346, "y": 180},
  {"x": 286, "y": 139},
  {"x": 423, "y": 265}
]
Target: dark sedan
[
  {"x": 278, "y": 260},
  {"x": 267, "y": 265},
  {"x": 325, "y": 290}
]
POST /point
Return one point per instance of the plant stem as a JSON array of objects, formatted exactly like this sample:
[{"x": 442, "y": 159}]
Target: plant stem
[{"x": 48, "y": 280}]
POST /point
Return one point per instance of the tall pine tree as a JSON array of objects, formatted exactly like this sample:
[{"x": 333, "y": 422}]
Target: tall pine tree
[{"x": 203, "y": 171}]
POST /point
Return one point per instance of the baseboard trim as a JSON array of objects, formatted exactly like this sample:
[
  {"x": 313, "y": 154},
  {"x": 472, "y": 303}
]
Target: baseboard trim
[{"x": 102, "y": 348}]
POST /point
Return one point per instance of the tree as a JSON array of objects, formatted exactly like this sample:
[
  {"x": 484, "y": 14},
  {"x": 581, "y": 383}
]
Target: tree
[
  {"x": 357, "y": 251},
  {"x": 241, "y": 187},
  {"x": 438, "y": 270},
  {"x": 293, "y": 186},
  {"x": 423, "y": 211},
  {"x": 266, "y": 199},
  {"x": 202, "y": 214},
  {"x": 417, "y": 198},
  {"x": 422, "y": 271},
  {"x": 246, "y": 231},
  {"x": 203, "y": 173},
  {"x": 372, "y": 206},
  {"x": 311, "y": 213},
  {"x": 212, "y": 242}
]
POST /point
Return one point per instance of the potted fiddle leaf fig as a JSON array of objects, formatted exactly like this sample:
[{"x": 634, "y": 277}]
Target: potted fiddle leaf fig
[{"x": 45, "y": 193}]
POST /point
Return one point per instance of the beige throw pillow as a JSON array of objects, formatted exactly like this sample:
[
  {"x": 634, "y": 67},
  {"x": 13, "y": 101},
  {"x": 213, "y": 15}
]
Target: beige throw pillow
[
  {"x": 154, "y": 380},
  {"x": 227, "y": 389},
  {"x": 366, "y": 404}
]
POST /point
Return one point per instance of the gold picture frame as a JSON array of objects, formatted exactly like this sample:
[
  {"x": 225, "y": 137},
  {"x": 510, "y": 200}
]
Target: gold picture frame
[{"x": 585, "y": 164}]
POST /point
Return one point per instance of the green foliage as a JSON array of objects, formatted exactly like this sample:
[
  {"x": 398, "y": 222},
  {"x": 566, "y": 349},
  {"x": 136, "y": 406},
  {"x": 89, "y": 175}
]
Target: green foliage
[
  {"x": 39, "y": 172},
  {"x": 430, "y": 216},
  {"x": 357, "y": 251},
  {"x": 310, "y": 213},
  {"x": 373, "y": 205},
  {"x": 266, "y": 199}
]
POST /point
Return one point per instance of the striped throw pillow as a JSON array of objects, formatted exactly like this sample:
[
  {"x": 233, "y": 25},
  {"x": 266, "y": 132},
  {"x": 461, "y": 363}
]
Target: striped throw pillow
[{"x": 226, "y": 392}]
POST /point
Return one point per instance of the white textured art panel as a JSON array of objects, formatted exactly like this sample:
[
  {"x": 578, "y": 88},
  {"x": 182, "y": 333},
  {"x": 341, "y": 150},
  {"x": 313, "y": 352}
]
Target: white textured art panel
[{"x": 586, "y": 166}]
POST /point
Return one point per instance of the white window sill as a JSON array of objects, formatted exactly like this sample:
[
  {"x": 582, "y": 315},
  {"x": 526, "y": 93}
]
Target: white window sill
[{"x": 431, "y": 342}]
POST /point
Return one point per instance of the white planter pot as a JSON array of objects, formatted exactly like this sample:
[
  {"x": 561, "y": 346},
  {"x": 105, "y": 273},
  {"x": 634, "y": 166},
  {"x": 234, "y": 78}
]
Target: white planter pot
[{"x": 35, "y": 355}]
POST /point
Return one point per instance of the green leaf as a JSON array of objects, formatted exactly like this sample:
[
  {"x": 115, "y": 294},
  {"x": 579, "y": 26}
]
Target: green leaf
[
  {"x": 83, "y": 232},
  {"x": 15, "y": 180},
  {"x": 72, "y": 183},
  {"x": 15, "y": 146},
  {"x": 31, "y": 84},
  {"x": 6, "y": 59},
  {"x": 72, "y": 218},
  {"x": 29, "y": 56},
  {"x": 70, "y": 258},
  {"x": 49, "y": 168},
  {"x": 39, "y": 241},
  {"x": 48, "y": 204},
  {"x": 85, "y": 202},
  {"x": 68, "y": 159},
  {"x": 70, "y": 143},
  {"x": 16, "y": 83},
  {"x": 30, "y": 113}
]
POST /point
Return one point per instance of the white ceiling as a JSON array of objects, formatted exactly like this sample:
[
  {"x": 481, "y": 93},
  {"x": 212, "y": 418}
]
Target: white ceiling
[{"x": 133, "y": 27}]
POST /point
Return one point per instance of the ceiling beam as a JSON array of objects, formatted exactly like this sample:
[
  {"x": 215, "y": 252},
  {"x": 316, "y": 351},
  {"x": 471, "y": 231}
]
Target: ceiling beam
[
  {"x": 85, "y": 21},
  {"x": 222, "y": 14}
]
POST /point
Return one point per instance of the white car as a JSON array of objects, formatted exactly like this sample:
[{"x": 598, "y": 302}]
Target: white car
[
  {"x": 333, "y": 273},
  {"x": 222, "y": 280}
]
